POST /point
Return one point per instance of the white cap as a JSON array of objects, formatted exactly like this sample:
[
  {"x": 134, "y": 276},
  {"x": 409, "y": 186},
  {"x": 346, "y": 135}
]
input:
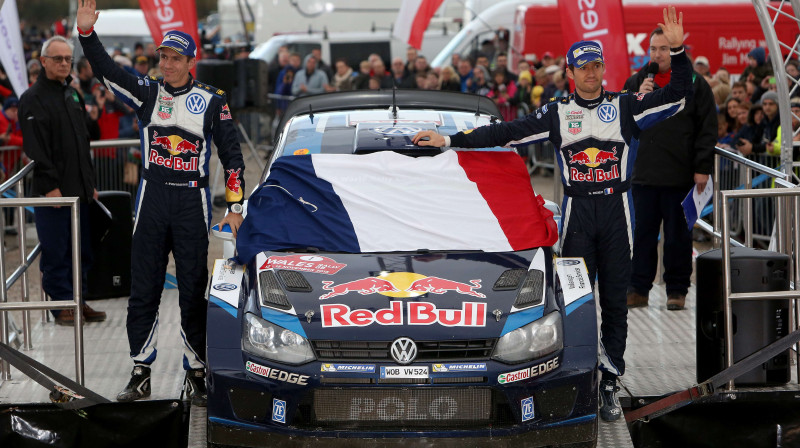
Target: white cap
[{"x": 702, "y": 60}]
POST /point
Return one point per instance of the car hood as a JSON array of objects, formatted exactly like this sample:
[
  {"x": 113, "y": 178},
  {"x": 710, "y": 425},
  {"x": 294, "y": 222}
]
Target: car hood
[{"x": 385, "y": 296}]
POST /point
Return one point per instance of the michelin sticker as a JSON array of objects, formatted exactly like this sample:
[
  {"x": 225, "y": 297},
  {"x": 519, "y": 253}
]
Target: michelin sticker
[
  {"x": 348, "y": 368},
  {"x": 574, "y": 278},
  {"x": 460, "y": 367},
  {"x": 225, "y": 280}
]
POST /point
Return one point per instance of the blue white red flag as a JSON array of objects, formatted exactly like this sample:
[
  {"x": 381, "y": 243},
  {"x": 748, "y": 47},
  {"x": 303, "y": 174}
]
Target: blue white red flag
[{"x": 386, "y": 202}]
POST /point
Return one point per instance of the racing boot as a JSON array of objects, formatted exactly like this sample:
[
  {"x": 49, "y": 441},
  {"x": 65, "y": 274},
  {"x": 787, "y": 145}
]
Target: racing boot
[
  {"x": 610, "y": 409},
  {"x": 139, "y": 385},
  {"x": 196, "y": 387}
]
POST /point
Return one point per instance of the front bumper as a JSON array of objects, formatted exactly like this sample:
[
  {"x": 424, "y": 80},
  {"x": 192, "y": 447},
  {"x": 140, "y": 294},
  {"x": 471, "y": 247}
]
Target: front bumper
[{"x": 564, "y": 409}]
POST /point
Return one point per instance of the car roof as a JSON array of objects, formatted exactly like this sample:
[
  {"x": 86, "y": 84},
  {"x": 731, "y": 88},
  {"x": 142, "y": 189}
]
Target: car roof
[{"x": 381, "y": 99}]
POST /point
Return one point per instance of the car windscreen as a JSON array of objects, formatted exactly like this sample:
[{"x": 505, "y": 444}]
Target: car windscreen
[{"x": 367, "y": 131}]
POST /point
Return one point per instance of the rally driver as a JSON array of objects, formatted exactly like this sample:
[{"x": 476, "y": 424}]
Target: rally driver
[
  {"x": 178, "y": 117},
  {"x": 597, "y": 135}
]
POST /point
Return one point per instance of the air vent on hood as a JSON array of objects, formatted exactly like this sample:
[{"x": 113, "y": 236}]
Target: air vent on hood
[
  {"x": 509, "y": 279},
  {"x": 271, "y": 292},
  {"x": 294, "y": 281},
  {"x": 532, "y": 290}
]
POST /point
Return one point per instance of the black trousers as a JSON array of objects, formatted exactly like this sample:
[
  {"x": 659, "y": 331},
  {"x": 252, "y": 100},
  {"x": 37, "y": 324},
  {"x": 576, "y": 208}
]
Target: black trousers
[
  {"x": 53, "y": 226},
  {"x": 599, "y": 229},
  {"x": 169, "y": 219},
  {"x": 655, "y": 205}
]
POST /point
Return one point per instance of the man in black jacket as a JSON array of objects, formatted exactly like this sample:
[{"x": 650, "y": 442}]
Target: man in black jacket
[
  {"x": 674, "y": 155},
  {"x": 56, "y": 136}
]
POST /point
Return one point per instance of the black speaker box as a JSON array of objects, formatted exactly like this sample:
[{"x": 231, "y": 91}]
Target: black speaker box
[
  {"x": 756, "y": 323},
  {"x": 217, "y": 73},
  {"x": 110, "y": 274},
  {"x": 243, "y": 80},
  {"x": 251, "y": 84}
]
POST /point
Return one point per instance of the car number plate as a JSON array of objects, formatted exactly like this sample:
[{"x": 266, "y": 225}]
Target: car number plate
[{"x": 404, "y": 372}]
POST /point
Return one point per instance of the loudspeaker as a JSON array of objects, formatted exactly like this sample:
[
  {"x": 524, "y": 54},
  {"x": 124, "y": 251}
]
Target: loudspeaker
[
  {"x": 251, "y": 84},
  {"x": 217, "y": 73},
  {"x": 110, "y": 274},
  {"x": 756, "y": 323},
  {"x": 243, "y": 80}
]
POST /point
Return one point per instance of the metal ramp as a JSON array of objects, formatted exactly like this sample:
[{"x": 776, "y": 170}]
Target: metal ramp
[{"x": 107, "y": 364}]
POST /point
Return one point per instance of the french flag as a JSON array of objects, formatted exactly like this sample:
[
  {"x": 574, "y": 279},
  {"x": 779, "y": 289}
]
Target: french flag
[
  {"x": 387, "y": 202},
  {"x": 413, "y": 19}
]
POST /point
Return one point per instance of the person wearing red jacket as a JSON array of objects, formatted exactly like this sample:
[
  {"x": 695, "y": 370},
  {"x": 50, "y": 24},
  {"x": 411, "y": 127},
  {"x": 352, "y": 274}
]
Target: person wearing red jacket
[{"x": 10, "y": 134}]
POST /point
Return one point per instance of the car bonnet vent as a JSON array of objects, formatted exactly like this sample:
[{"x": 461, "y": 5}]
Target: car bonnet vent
[
  {"x": 532, "y": 290},
  {"x": 509, "y": 279},
  {"x": 294, "y": 281},
  {"x": 271, "y": 293}
]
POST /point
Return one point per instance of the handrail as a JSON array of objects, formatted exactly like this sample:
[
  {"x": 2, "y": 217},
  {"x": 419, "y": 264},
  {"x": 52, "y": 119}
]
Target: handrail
[
  {"x": 9, "y": 183},
  {"x": 74, "y": 204},
  {"x": 752, "y": 164}
]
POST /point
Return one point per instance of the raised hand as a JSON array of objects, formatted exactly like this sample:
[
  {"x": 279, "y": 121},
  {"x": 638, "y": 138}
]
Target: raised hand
[
  {"x": 87, "y": 14},
  {"x": 672, "y": 27}
]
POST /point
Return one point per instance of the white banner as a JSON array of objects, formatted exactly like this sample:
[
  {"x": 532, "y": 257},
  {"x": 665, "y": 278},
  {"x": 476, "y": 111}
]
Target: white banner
[{"x": 11, "y": 55}]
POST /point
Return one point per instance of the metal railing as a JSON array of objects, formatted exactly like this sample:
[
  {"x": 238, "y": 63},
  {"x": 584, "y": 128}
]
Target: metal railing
[
  {"x": 787, "y": 213},
  {"x": 26, "y": 260},
  {"x": 786, "y": 222}
]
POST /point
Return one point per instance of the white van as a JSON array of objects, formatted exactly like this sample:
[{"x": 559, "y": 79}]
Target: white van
[
  {"x": 120, "y": 28},
  {"x": 354, "y": 46}
]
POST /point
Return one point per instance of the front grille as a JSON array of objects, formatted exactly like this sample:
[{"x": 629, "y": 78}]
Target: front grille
[
  {"x": 404, "y": 408},
  {"x": 427, "y": 351}
]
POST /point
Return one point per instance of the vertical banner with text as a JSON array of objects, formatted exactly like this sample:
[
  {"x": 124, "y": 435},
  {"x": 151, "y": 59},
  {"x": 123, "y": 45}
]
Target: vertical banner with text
[
  {"x": 413, "y": 19},
  {"x": 167, "y": 15},
  {"x": 602, "y": 22},
  {"x": 11, "y": 54}
]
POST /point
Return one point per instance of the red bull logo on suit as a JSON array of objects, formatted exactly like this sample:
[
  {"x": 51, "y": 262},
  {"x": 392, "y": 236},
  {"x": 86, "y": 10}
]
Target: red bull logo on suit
[{"x": 593, "y": 158}]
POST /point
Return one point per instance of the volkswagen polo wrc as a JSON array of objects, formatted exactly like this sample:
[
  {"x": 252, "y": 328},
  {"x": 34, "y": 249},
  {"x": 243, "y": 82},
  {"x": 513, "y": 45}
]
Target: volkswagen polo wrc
[{"x": 386, "y": 294}]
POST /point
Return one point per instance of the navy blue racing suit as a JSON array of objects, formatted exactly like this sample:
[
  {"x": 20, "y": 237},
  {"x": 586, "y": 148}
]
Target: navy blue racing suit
[
  {"x": 597, "y": 142},
  {"x": 173, "y": 203}
]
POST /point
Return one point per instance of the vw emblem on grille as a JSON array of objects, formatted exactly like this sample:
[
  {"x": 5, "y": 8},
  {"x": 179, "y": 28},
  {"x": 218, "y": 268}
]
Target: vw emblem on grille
[
  {"x": 196, "y": 103},
  {"x": 607, "y": 113},
  {"x": 403, "y": 350}
]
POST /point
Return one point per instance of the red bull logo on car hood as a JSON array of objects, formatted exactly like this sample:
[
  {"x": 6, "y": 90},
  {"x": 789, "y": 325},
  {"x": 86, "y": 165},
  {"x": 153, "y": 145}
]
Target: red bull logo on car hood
[
  {"x": 401, "y": 284},
  {"x": 471, "y": 314}
]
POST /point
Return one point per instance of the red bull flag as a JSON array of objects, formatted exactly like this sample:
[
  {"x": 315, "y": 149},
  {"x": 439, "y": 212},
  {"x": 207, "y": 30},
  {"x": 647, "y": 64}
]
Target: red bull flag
[
  {"x": 413, "y": 19},
  {"x": 384, "y": 202}
]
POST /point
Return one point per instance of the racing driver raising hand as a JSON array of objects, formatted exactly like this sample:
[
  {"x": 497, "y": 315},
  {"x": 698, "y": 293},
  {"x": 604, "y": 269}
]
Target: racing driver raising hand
[
  {"x": 178, "y": 117},
  {"x": 597, "y": 135}
]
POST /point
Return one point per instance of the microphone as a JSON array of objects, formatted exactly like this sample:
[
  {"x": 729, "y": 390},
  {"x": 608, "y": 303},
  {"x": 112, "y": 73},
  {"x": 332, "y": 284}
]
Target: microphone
[{"x": 652, "y": 69}]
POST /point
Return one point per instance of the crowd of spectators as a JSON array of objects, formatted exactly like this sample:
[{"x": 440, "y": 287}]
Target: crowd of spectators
[
  {"x": 515, "y": 90},
  {"x": 748, "y": 115}
]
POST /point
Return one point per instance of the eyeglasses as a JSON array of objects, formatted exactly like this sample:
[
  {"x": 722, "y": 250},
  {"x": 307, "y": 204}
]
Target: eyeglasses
[{"x": 60, "y": 59}]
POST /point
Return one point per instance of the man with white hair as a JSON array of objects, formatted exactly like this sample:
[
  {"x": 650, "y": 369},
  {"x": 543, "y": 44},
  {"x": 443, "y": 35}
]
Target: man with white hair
[{"x": 56, "y": 136}]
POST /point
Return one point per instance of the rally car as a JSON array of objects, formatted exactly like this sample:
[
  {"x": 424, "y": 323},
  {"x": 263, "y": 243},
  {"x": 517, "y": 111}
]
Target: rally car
[{"x": 385, "y": 294}]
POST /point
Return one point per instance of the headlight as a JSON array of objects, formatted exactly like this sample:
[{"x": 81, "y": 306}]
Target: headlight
[
  {"x": 269, "y": 341},
  {"x": 532, "y": 341}
]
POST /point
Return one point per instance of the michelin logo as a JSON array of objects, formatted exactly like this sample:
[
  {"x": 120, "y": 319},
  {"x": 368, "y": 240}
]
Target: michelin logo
[
  {"x": 461, "y": 367},
  {"x": 355, "y": 368}
]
